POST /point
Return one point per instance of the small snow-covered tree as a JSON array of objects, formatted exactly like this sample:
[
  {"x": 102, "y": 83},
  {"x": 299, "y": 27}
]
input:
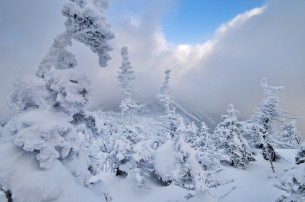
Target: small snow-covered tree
[
  {"x": 290, "y": 137},
  {"x": 128, "y": 145},
  {"x": 126, "y": 76},
  {"x": 187, "y": 166},
  {"x": 293, "y": 181},
  {"x": 203, "y": 137},
  {"x": 207, "y": 153},
  {"x": 232, "y": 145},
  {"x": 300, "y": 157}
]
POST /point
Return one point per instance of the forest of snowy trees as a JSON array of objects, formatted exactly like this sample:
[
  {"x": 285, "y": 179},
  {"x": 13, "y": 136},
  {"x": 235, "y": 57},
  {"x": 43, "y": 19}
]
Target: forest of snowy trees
[{"x": 54, "y": 148}]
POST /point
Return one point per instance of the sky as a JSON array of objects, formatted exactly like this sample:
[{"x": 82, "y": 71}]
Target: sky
[
  {"x": 193, "y": 21},
  {"x": 218, "y": 50},
  {"x": 185, "y": 21}
]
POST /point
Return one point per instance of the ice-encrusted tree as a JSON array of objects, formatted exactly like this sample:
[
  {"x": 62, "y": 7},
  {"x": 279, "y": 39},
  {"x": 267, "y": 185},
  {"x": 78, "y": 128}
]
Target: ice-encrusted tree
[
  {"x": 203, "y": 138},
  {"x": 126, "y": 76},
  {"x": 44, "y": 129},
  {"x": 164, "y": 95},
  {"x": 208, "y": 155},
  {"x": 84, "y": 24},
  {"x": 300, "y": 157},
  {"x": 290, "y": 137},
  {"x": 181, "y": 166},
  {"x": 293, "y": 181},
  {"x": 171, "y": 118},
  {"x": 262, "y": 129},
  {"x": 186, "y": 165},
  {"x": 128, "y": 145},
  {"x": 233, "y": 147}
]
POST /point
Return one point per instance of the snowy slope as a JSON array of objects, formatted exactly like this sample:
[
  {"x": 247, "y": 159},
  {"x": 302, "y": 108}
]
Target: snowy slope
[
  {"x": 256, "y": 184},
  {"x": 21, "y": 173}
]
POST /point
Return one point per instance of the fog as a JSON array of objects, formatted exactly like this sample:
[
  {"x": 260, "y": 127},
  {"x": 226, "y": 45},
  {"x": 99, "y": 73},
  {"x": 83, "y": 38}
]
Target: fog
[{"x": 263, "y": 42}]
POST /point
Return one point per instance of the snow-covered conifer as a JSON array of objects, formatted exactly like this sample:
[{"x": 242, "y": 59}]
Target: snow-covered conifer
[
  {"x": 203, "y": 137},
  {"x": 84, "y": 24},
  {"x": 29, "y": 92},
  {"x": 232, "y": 145},
  {"x": 300, "y": 157},
  {"x": 293, "y": 181},
  {"x": 262, "y": 129},
  {"x": 172, "y": 119},
  {"x": 126, "y": 76},
  {"x": 69, "y": 91},
  {"x": 165, "y": 93},
  {"x": 48, "y": 104},
  {"x": 208, "y": 155},
  {"x": 290, "y": 137}
]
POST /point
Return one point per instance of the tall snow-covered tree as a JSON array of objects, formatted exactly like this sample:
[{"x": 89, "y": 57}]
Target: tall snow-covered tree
[
  {"x": 126, "y": 76},
  {"x": 263, "y": 128},
  {"x": 233, "y": 146},
  {"x": 171, "y": 118},
  {"x": 164, "y": 95},
  {"x": 43, "y": 130}
]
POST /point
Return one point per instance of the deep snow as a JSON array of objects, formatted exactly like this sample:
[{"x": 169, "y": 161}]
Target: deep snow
[{"x": 256, "y": 184}]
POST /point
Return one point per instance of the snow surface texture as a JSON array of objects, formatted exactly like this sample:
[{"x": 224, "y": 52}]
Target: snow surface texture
[
  {"x": 251, "y": 185},
  {"x": 21, "y": 174}
]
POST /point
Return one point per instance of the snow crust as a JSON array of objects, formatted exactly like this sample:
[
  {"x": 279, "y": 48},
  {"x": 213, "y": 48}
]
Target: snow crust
[{"x": 21, "y": 174}]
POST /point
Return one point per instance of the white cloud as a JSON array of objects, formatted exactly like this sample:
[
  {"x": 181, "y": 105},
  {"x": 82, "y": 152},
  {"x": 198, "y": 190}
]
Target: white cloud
[
  {"x": 266, "y": 41},
  {"x": 262, "y": 42}
]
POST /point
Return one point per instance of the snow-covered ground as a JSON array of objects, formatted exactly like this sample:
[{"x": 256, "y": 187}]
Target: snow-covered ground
[{"x": 256, "y": 184}]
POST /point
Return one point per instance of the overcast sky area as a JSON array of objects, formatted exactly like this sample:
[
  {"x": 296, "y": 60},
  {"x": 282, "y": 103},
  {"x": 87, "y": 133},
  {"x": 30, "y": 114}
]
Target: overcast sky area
[{"x": 218, "y": 52}]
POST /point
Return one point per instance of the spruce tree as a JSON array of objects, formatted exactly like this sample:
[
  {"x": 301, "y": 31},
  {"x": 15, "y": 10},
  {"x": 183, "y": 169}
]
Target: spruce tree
[
  {"x": 44, "y": 130},
  {"x": 290, "y": 137},
  {"x": 292, "y": 182},
  {"x": 232, "y": 145},
  {"x": 126, "y": 76},
  {"x": 262, "y": 127}
]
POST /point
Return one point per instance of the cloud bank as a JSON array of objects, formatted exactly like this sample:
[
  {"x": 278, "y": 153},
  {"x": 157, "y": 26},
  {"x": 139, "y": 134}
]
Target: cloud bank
[{"x": 263, "y": 42}]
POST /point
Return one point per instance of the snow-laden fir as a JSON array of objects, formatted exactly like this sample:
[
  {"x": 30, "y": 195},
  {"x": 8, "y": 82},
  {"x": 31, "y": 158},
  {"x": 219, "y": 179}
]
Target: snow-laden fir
[{"x": 55, "y": 149}]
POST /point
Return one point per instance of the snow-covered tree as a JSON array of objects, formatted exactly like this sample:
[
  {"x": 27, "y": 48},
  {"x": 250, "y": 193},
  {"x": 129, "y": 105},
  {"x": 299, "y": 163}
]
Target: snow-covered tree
[
  {"x": 293, "y": 181},
  {"x": 164, "y": 95},
  {"x": 44, "y": 129},
  {"x": 181, "y": 166},
  {"x": 126, "y": 76},
  {"x": 203, "y": 137},
  {"x": 268, "y": 112},
  {"x": 129, "y": 148},
  {"x": 290, "y": 137},
  {"x": 84, "y": 24},
  {"x": 232, "y": 145},
  {"x": 207, "y": 153},
  {"x": 300, "y": 157},
  {"x": 262, "y": 128},
  {"x": 188, "y": 131},
  {"x": 171, "y": 118}
]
